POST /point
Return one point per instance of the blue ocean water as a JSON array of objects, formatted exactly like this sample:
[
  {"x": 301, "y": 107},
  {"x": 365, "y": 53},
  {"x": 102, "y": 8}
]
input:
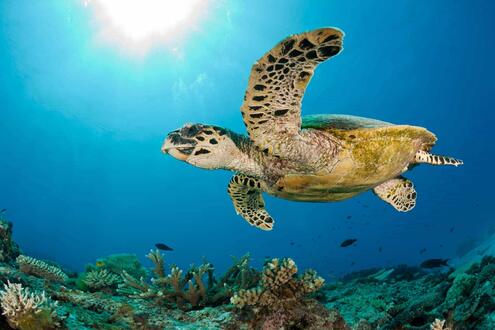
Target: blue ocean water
[{"x": 82, "y": 122}]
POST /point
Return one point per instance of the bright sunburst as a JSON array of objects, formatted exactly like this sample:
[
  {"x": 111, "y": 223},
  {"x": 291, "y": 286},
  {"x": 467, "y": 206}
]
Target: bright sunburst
[{"x": 141, "y": 23}]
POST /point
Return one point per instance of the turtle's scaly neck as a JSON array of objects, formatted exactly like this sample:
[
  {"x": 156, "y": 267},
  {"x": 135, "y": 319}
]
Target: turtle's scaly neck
[{"x": 246, "y": 158}]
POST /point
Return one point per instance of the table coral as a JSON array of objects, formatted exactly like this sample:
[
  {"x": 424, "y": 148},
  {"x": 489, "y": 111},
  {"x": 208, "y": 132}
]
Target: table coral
[
  {"x": 40, "y": 268},
  {"x": 101, "y": 279}
]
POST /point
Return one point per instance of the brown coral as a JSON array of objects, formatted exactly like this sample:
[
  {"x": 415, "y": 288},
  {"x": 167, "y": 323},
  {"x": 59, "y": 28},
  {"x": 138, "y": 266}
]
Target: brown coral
[
  {"x": 32, "y": 266},
  {"x": 280, "y": 300},
  {"x": 192, "y": 289},
  {"x": 279, "y": 283}
]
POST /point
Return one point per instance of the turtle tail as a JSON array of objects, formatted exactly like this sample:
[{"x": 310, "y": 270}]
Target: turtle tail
[{"x": 427, "y": 158}]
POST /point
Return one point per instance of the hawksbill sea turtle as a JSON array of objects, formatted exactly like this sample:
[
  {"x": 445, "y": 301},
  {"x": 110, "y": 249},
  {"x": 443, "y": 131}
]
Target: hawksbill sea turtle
[{"x": 317, "y": 158}]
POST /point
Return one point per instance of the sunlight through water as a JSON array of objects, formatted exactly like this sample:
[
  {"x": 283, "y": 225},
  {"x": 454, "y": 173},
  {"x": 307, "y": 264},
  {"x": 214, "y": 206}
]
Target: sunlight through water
[{"x": 137, "y": 25}]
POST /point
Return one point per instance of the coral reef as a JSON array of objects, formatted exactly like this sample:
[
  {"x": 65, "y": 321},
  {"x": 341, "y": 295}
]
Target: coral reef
[
  {"x": 438, "y": 325},
  {"x": 9, "y": 250},
  {"x": 101, "y": 279},
  {"x": 26, "y": 310},
  {"x": 119, "y": 293},
  {"x": 464, "y": 299},
  {"x": 191, "y": 290},
  {"x": 40, "y": 268},
  {"x": 281, "y": 299},
  {"x": 117, "y": 263}
]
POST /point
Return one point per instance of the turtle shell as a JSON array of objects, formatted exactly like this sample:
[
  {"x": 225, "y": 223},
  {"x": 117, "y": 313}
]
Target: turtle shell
[
  {"x": 343, "y": 122},
  {"x": 370, "y": 152}
]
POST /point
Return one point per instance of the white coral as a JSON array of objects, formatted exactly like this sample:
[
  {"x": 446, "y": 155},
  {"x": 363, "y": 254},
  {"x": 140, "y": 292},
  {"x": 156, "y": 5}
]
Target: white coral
[
  {"x": 438, "y": 325},
  {"x": 18, "y": 302}
]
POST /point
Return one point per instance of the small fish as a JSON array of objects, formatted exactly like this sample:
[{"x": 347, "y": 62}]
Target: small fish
[
  {"x": 349, "y": 217},
  {"x": 452, "y": 229},
  {"x": 99, "y": 263},
  {"x": 163, "y": 247},
  {"x": 380, "y": 249},
  {"x": 422, "y": 251},
  {"x": 292, "y": 243},
  {"x": 3, "y": 210},
  {"x": 348, "y": 242},
  {"x": 434, "y": 263}
]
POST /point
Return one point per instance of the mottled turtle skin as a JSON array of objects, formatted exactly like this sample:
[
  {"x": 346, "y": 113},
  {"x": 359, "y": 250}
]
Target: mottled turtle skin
[{"x": 318, "y": 158}]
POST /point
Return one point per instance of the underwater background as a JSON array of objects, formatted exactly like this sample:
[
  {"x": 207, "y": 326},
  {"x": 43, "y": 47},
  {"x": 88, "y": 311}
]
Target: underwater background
[{"x": 82, "y": 121}]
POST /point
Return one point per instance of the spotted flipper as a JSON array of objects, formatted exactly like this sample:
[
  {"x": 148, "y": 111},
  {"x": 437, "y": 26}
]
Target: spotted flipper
[
  {"x": 245, "y": 193},
  {"x": 272, "y": 104},
  {"x": 398, "y": 192},
  {"x": 426, "y": 157}
]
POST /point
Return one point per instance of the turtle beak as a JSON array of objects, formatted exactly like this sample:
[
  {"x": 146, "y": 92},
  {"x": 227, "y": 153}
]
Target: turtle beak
[{"x": 177, "y": 146}]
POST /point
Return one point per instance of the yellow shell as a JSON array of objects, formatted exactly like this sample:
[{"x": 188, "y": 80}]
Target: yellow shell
[{"x": 368, "y": 156}]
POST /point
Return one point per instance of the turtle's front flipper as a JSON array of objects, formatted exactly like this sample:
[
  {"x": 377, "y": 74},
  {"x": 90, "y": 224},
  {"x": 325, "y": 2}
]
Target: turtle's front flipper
[
  {"x": 245, "y": 192},
  {"x": 398, "y": 192}
]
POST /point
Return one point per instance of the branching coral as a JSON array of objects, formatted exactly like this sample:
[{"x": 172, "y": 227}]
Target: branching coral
[
  {"x": 279, "y": 284},
  {"x": 183, "y": 290},
  {"x": 101, "y": 279},
  {"x": 32, "y": 266},
  {"x": 282, "y": 296},
  {"x": 26, "y": 310},
  {"x": 192, "y": 289}
]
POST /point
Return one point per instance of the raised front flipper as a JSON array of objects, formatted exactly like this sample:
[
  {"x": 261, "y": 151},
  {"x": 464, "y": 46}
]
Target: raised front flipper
[
  {"x": 245, "y": 193},
  {"x": 398, "y": 192},
  {"x": 272, "y": 104}
]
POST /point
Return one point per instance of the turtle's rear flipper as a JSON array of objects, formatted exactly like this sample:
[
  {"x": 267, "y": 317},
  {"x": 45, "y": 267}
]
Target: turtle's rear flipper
[
  {"x": 245, "y": 193},
  {"x": 398, "y": 192},
  {"x": 426, "y": 157}
]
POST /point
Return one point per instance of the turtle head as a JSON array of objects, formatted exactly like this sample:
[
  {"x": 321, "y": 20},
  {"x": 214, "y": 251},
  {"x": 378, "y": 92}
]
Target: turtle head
[{"x": 203, "y": 146}]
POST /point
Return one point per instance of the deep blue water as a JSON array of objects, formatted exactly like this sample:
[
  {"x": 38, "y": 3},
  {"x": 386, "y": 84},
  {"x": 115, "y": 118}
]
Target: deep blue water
[{"x": 82, "y": 122}]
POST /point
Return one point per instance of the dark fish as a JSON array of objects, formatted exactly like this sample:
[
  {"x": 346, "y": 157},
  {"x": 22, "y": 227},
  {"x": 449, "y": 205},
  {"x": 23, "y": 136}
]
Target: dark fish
[
  {"x": 163, "y": 247},
  {"x": 292, "y": 243},
  {"x": 451, "y": 229},
  {"x": 349, "y": 217},
  {"x": 434, "y": 263},
  {"x": 3, "y": 210},
  {"x": 422, "y": 251},
  {"x": 380, "y": 249},
  {"x": 348, "y": 242}
]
